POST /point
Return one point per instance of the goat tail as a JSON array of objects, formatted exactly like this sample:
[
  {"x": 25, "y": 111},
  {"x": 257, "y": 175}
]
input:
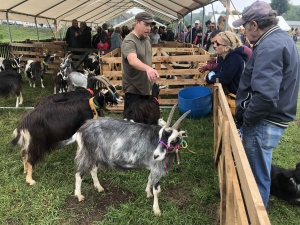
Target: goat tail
[
  {"x": 22, "y": 138},
  {"x": 68, "y": 141}
]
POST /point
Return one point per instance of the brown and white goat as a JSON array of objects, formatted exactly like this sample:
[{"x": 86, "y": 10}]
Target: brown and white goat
[
  {"x": 54, "y": 120},
  {"x": 118, "y": 143}
]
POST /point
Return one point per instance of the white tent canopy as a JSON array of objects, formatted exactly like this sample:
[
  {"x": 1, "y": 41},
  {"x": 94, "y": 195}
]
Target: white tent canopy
[
  {"x": 130, "y": 22},
  {"x": 93, "y": 11},
  {"x": 282, "y": 23}
]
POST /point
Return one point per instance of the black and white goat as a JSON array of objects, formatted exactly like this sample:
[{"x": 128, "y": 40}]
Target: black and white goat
[
  {"x": 145, "y": 110},
  {"x": 67, "y": 63},
  {"x": 91, "y": 62},
  {"x": 37, "y": 69},
  {"x": 122, "y": 144},
  {"x": 285, "y": 183},
  {"x": 11, "y": 84},
  {"x": 54, "y": 120},
  {"x": 6, "y": 64},
  {"x": 60, "y": 85}
]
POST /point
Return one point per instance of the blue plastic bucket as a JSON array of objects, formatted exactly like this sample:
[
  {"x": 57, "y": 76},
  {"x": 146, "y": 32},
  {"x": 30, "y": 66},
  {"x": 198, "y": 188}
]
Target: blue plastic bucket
[{"x": 197, "y": 99}]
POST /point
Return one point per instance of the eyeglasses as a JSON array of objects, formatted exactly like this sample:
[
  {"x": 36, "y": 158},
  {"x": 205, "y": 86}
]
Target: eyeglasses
[
  {"x": 212, "y": 27},
  {"x": 217, "y": 43}
]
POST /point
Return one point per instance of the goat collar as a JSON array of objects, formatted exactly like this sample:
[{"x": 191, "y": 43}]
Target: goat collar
[
  {"x": 46, "y": 64},
  {"x": 92, "y": 105},
  {"x": 90, "y": 90},
  {"x": 182, "y": 144},
  {"x": 169, "y": 148}
]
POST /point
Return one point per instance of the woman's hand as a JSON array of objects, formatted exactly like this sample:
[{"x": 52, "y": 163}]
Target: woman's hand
[{"x": 202, "y": 67}]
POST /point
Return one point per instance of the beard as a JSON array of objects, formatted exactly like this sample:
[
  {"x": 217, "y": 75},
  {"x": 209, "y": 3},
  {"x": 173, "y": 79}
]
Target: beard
[{"x": 142, "y": 37}]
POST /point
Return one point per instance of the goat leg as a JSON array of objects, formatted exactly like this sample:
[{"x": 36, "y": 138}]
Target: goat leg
[
  {"x": 29, "y": 179},
  {"x": 78, "y": 187},
  {"x": 97, "y": 184},
  {"x": 148, "y": 188},
  {"x": 42, "y": 85},
  {"x": 156, "y": 191},
  {"x": 24, "y": 159},
  {"x": 17, "y": 102},
  {"x": 21, "y": 99}
]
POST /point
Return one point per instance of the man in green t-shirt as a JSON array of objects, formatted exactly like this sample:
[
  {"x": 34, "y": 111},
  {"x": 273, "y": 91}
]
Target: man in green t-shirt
[{"x": 137, "y": 73}]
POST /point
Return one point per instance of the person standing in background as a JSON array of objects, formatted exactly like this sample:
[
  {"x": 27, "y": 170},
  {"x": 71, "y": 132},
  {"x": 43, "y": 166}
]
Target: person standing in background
[
  {"x": 138, "y": 74},
  {"x": 266, "y": 100},
  {"x": 85, "y": 36},
  {"x": 71, "y": 38}
]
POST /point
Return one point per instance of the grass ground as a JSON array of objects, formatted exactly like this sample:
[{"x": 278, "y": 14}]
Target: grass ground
[
  {"x": 189, "y": 194},
  {"x": 20, "y": 33}
]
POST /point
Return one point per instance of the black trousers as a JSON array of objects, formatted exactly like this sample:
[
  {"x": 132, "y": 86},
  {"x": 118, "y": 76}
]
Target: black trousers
[{"x": 130, "y": 98}]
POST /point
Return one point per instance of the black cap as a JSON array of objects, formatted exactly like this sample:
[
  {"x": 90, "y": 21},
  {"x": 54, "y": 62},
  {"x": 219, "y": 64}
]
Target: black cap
[{"x": 146, "y": 17}]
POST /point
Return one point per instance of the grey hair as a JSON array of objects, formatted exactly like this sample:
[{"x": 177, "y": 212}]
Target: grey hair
[{"x": 262, "y": 24}]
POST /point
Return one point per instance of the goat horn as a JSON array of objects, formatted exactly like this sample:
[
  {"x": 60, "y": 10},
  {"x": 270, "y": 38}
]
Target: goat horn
[
  {"x": 177, "y": 123},
  {"x": 12, "y": 55},
  {"x": 104, "y": 82},
  {"x": 170, "y": 116},
  {"x": 105, "y": 78}
]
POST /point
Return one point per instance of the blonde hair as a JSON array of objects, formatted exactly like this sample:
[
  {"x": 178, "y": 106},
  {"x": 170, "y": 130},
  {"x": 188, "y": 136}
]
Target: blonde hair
[{"x": 231, "y": 39}]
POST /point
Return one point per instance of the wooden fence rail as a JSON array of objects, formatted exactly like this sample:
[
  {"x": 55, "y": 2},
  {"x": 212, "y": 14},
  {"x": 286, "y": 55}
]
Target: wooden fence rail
[
  {"x": 4, "y": 50},
  {"x": 241, "y": 202}
]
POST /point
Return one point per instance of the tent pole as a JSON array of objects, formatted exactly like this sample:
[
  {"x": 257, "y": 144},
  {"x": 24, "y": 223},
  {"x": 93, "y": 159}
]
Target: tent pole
[
  {"x": 227, "y": 14},
  {"x": 191, "y": 32},
  {"x": 203, "y": 17},
  {"x": 37, "y": 30},
  {"x": 8, "y": 27},
  {"x": 212, "y": 5}
]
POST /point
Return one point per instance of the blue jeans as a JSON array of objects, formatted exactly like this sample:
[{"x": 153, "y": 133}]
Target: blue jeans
[{"x": 258, "y": 142}]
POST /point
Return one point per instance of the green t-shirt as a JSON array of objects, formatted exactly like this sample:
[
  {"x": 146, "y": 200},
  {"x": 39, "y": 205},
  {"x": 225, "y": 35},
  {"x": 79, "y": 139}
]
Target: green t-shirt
[{"x": 135, "y": 81}]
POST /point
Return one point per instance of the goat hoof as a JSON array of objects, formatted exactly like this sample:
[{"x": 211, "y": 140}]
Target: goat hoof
[
  {"x": 80, "y": 198},
  {"x": 157, "y": 212},
  {"x": 100, "y": 189},
  {"x": 150, "y": 195},
  {"x": 32, "y": 182}
]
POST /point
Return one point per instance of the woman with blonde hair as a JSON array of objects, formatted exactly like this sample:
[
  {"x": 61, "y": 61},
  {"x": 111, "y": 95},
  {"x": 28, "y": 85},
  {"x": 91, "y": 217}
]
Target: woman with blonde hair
[{"x": 231, "y": 61}]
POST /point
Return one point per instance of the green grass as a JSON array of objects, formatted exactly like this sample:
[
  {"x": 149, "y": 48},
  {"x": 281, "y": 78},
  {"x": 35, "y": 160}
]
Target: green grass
[
  {"x": 189, "y": 194},
  {"x": 20, "y": 33}
]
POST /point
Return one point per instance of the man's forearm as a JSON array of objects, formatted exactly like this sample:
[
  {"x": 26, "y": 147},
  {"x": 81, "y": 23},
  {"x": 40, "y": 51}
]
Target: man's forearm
[{"x": 137, "y": 64}]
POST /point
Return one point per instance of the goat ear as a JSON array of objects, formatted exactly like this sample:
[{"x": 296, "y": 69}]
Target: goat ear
[
  {"x": 93, "y": 71},
  {"x": 44, "y": 53},
  {"x": 183, "y": 133},
  {"x": 53, "y": 55},
  {"x": 86, "y": 71}
]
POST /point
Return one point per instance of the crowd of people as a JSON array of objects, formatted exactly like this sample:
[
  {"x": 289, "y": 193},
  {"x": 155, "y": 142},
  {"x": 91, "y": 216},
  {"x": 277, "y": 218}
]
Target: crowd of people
[
  {"x": 265, "y": 79},
  {"x": 105, "y": 39},
  {"x": 258, "y": 67}
]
